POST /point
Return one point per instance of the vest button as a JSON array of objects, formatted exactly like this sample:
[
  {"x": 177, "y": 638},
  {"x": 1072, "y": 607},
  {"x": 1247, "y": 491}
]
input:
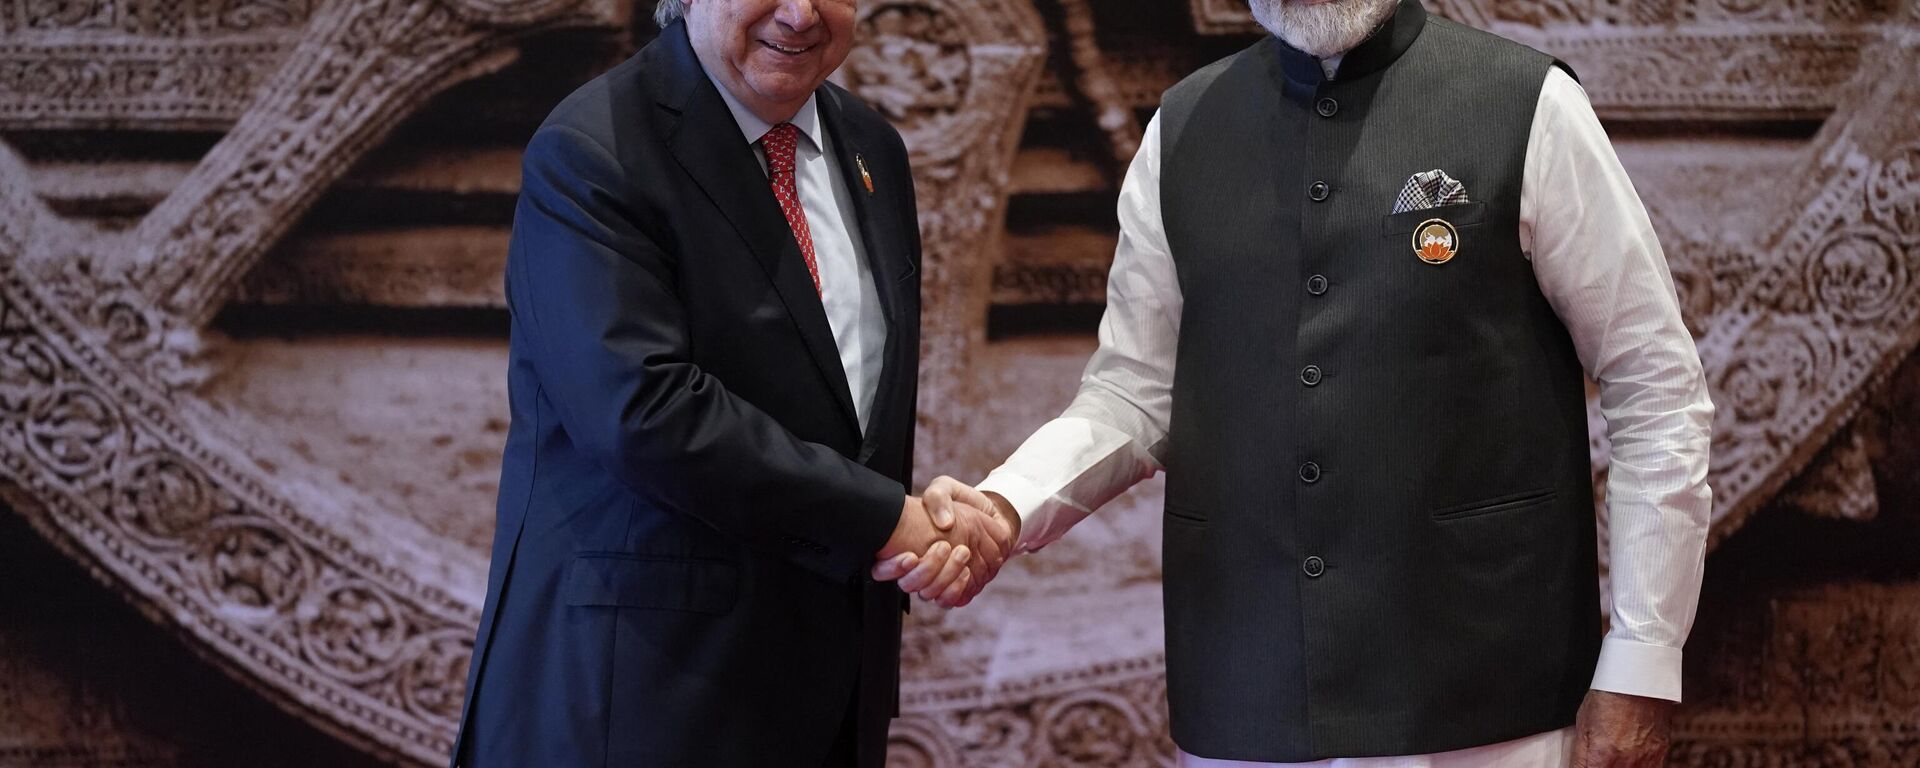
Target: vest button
[
  {"x": 1310, "y": 473},
  {"x": 1318, "y": 191},
  {"x": 1327, "y": 107},
  {"x": 1310, "y": 375},
  {"x": 1317, "y": 284},
  {"x": 1314, "y": 566}
]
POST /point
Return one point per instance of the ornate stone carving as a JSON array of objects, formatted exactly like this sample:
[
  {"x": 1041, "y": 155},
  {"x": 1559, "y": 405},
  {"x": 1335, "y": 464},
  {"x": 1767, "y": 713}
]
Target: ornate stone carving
[
  {"x": 915, "y": 67},
  {"x": 1123, "y": 722},
  {"x": 107, "y": 448},
  {"x": 158, "y": 18},
  {"x": 128, "y": 468},
  {"x": 1682, "y": 60},
  {"x": 955, "y": 78},
  {"x": 1216, "y": 17},
  {"x": 1707, "y": 74},
  {"x": 252, "y": 567},
  {"x": 1835, "y": 294},
  {"x": 1841, "y": 483}
]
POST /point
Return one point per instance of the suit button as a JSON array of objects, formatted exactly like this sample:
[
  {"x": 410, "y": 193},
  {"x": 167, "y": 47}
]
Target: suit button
[
  {"x": 1310, "y": 375},
  {"x": 1314, "y": 566},
  {"x": 1327, "y": 107},
  {"x": 1317, "y": 284},
  {"x": 1319, "y": 191},
  {"x": 1310, "y": 473}
]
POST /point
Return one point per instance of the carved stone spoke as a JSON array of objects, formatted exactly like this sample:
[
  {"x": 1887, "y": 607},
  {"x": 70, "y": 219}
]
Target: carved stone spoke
[
  {"x": 107, "y": 453},
  {"x": 103, "y": 449},
  {"x": 954, "y": 77},
  {"x": 340, "y": 90}
]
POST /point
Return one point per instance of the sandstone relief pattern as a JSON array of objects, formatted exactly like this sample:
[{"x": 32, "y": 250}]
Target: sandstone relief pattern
[{"x": 359, "y": 620}]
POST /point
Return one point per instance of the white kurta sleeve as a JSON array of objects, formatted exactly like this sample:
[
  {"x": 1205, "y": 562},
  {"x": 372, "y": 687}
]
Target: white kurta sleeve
[
  {"x": 1601, "y": 267},
  {"x": 1112, "y": 435}
]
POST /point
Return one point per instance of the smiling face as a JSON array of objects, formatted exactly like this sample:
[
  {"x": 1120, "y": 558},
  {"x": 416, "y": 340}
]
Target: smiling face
[{"x": 771, "y": 54}]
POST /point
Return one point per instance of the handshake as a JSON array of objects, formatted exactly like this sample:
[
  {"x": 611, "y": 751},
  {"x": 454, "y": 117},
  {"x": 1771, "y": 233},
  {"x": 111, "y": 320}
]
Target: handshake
[{"x": 950, "y": 542}]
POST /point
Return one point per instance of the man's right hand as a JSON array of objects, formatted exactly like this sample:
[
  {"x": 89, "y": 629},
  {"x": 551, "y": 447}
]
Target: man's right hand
[{"x": 970, "y": 539}]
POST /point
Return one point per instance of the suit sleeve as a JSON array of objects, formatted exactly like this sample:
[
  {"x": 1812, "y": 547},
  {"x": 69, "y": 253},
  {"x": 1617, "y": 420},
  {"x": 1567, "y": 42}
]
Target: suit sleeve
[{"x": 606, "y": 333}]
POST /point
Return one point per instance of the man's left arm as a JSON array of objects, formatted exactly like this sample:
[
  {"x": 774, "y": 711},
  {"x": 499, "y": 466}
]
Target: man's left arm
[{"x": 1600, "y": 265}]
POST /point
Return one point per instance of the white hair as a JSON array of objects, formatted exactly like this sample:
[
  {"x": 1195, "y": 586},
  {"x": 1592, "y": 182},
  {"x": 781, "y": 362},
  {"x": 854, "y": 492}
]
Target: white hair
[
  {"x": 668, "y": 12},
  {"x": 1321, "y": 30}
]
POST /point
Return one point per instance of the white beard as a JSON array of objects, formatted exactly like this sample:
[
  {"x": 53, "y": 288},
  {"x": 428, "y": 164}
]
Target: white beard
[{"x": 1326, "y": 29}]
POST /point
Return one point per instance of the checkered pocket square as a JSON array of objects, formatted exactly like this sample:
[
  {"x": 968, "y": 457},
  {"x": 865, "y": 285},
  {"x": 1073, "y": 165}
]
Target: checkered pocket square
[{"x": 1429, "y": 189}]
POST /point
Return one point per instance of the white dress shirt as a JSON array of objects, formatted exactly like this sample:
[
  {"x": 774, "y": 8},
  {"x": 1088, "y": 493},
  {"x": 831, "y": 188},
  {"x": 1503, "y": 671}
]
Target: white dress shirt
[
  {"x": 846, "y": 278},
  {"x": 1598, "y": 263}
]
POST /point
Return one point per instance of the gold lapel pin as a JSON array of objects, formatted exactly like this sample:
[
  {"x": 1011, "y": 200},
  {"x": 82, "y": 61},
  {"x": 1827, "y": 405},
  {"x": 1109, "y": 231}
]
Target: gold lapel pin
[
  {"x": 861, "y": 160},
  {"x": 1435, "y": 241}
]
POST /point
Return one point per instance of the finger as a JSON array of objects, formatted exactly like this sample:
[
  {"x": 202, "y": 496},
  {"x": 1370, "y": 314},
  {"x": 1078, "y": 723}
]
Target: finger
[
  {"x": 938, "y": 501},
  {"x": 983, "y": 536},
  {"x": 987, "y": 563},
  {"x": 994, "y": 549},
  {"x": 980, "y": 570},
  {"x": 929, "y": 567},
  {"x": 1579, "y": 750},
  {"x": 999, "y": 528},
  {"x": 975, "y": 589},
  {"x": 894, "y": 567},
  {"x": 956, "y": 565},
  {"x": 973, "y": 497},
  {"x": 957, "y": 591}
]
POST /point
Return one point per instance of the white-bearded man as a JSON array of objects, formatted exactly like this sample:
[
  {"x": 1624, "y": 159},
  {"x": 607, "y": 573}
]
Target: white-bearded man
[{"x": 1381, "y": 249}]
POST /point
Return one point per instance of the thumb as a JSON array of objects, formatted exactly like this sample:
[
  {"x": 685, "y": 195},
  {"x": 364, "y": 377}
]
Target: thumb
[
  {"x": 939, "y": 503},
  {"x": 974, "y": 497}
]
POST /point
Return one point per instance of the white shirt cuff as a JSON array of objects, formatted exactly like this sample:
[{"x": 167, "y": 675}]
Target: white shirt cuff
[
  {"x": 1027, "y": 497},
  {"x": 1638, "y": 669}
]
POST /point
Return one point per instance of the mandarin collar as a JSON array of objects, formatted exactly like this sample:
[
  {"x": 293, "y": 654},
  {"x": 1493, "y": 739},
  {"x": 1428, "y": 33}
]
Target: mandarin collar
[{"x": 1379, "y": 50}]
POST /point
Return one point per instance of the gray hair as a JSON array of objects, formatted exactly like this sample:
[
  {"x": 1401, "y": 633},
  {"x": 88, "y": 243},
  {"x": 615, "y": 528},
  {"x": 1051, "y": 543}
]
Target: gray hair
[{"x": 668, "y": 12}]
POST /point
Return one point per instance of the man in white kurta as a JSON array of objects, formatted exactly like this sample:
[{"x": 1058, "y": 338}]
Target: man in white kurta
[{"x": 1593, "y": 251}]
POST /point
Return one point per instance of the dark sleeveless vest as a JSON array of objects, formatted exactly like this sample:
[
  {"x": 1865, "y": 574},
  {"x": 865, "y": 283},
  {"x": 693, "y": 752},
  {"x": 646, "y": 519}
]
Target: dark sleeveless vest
[{"x": 1379, "y": 523}]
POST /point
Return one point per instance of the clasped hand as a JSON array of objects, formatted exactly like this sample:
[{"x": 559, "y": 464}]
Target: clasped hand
[{"x": 950, "y": 541}]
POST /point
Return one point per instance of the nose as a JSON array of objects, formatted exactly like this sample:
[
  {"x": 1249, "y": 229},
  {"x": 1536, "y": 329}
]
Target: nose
[{"x": 797, "y": 15}]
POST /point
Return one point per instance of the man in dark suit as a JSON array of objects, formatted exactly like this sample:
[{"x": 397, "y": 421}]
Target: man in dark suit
[{"x": 714, "y": 287}]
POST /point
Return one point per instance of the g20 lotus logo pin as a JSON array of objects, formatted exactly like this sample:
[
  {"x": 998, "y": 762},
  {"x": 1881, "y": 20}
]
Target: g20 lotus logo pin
[{"x": 1435, "y": 241}]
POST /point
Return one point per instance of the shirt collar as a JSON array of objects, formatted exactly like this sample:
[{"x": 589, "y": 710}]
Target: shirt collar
[
  {"x": 753, "y": 128},
  {"x": 1331, "y": 65}
]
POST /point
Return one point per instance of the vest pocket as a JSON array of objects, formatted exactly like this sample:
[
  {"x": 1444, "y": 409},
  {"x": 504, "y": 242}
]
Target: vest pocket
[
  {"x": 610, "y": 579},
  {"x": 1185, "y": 515},
  {"x": 1506, "y": 503},
  {"x": 1458, "y": 214}
]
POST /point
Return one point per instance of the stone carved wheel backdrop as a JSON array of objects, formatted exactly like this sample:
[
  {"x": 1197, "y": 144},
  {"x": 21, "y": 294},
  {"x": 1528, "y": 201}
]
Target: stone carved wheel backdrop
[{"x": 308, "y": 507}]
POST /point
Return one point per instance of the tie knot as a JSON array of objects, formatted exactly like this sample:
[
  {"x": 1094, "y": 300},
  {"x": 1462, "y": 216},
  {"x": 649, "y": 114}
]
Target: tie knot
[{"x": 781, "y": 143}]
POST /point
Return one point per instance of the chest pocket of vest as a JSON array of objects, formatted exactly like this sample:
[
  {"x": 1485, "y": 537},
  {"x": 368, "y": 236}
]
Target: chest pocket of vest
[{"x": 1459, "y": 215}]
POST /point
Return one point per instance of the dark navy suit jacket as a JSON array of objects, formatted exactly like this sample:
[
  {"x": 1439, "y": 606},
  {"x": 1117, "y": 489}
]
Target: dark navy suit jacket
[{"x": 688, "y": 506}]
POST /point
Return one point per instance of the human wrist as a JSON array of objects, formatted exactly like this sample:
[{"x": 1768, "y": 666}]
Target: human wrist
[
  {"x": 909, "y": 532},
  {"x": 1004, "y": 509}
]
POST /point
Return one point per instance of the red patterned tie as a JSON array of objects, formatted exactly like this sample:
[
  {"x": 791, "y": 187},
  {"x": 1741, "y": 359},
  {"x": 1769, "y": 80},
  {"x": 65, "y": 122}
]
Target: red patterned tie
[{"x": 781, "y": 144}]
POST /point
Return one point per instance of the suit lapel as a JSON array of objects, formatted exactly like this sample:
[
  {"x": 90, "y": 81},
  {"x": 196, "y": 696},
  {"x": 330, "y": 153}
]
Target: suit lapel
[
  {"x": 879, "y": 222},
  {"x": 886, "y": 250},
  {"x": 708, "y": 144}
]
